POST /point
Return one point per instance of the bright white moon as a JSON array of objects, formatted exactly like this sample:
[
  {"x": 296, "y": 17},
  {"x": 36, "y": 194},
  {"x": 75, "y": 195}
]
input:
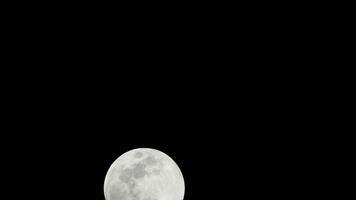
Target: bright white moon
[{"x": 144, "y": 174}]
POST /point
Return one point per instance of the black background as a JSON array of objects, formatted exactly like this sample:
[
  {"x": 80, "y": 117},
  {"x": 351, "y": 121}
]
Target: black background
[
  {"x": 228, "y": 140},
  {"x": 219, "y": 92}
]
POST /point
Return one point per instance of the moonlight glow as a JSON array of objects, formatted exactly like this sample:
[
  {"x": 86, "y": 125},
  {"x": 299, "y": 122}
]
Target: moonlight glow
[{"x": 144, "y": 174}]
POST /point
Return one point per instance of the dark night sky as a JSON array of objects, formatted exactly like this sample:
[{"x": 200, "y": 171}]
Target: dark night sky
[
  {"x": 226, "y": 140},
  {"x": 223, "y": 93},
  {"x": 223, "y": 146}
]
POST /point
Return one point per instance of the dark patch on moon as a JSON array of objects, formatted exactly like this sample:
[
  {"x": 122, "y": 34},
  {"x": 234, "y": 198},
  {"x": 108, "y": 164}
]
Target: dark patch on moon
[
  {"x": 139, "y": 170},
  {"x": 126, "y": 175},
  {"x": 117, "y": 194},
  {"x": 150, "y": 160},
  {"x": 135, "y": 196},
  {"x": 138, "y": 154}
]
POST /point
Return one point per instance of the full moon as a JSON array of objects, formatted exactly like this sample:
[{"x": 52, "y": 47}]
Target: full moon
[{"x": 144, "y": 174}]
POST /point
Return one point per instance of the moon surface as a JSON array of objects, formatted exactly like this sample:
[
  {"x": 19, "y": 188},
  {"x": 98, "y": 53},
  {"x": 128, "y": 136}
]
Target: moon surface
[{"x": 144, "y": 174}]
